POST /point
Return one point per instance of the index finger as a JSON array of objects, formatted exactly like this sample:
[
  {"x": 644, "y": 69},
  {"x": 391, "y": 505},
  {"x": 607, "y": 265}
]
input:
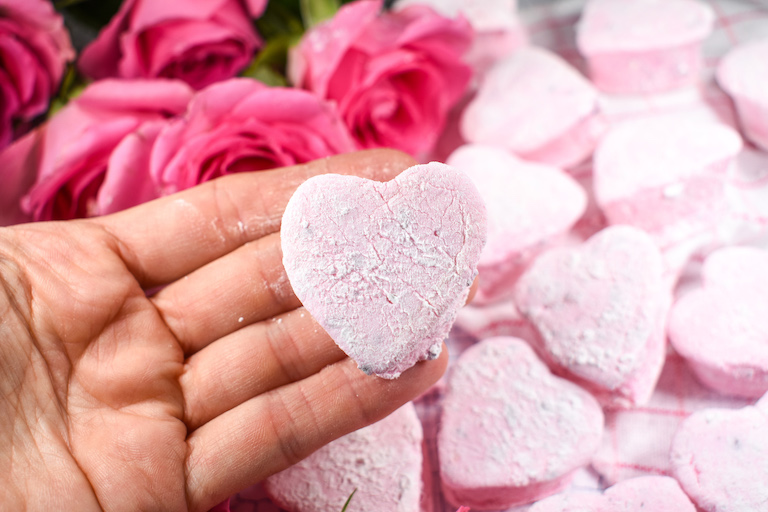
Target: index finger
[{"x": 166, "y": 239}]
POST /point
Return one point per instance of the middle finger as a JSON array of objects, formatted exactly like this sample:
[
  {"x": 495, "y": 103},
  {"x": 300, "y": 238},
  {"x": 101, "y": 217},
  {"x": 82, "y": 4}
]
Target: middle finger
[{"x": 246, "y": 286}]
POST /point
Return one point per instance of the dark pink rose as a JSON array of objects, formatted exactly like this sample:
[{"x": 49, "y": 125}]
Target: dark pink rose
[
  {"x": 34, "y": 51},
  {"x": 394, "y": 76},
  {"x": 197, "y": 41},
  {"x": 233, "y": 126},
  {"x": 66, "y": 160}
]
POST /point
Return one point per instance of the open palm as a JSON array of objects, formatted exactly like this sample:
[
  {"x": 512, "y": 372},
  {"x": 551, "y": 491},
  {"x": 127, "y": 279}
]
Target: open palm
[{"x": 115, "y": 398}]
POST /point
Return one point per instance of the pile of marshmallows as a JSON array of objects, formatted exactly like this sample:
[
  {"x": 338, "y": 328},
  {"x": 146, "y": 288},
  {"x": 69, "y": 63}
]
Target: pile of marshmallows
[{"x": 591, "y": 270}]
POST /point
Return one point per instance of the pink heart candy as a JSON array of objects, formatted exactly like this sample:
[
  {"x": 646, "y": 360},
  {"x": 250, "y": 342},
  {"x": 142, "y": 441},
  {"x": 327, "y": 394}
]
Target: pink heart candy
[
  {"x": 510, "y": 431},
  {"x": 599, "y": 309},
  {"x": 385, "y": 267},
  {"x": 536, "y": 106},
  {"x": 722, "y": 328},
  {"x": 720, "y": 458},
  {"x": 664, "y": 174},
  {"x": 382, "y": 461},
  {"x": 651, "y": 493},
  {"x": 743, "y": 73},
  {"x": 641, "y": 46},
  {"x": 528, "y": 204}
]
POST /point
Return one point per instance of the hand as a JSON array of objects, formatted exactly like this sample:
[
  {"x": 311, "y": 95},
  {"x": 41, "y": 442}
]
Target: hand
[{"x": 112, "y": 399}]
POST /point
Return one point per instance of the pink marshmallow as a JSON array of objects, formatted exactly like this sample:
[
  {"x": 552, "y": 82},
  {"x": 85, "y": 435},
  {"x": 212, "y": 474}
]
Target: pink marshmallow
[
  {"x": 652, "y": 493},
  {"x": 664, "y": 174},
  {"x": 743, "y": 73},
  {"x": 636, "y": 441},
  {"x": 528, "y": 204},
  {"x": 599, "y": 309},
  {"x": 510, "y": 431},
  {"x": 641, "y": 46},
  {"x": 382, "y": 461},
  {"x": 720, "y": 459},
  {"x": 536, "y": 106},
  {"x": 385, "y": 267},
  {"x": 722, "y": 328}
]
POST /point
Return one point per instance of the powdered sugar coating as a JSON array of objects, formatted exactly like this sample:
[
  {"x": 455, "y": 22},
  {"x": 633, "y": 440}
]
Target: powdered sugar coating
[
  {"x": 384, "y": 267},
  {"x": 510, "y": 431},
  {"x": 652, "y": 493},
  {"x": 743, "y": 74},
  {"x": 530, "y": 101},
  {"x": 599, "y": 309},
  {"x": 721, "y": 329},
  {"x": 642, "y": 25},
  {"x": 382, "y": 461},
  {"x": 720, "y": 458},
  {"x": 643, "y": 46},
  {"x": 664, "y": 174},
  {"x": 527, "y": 204}
]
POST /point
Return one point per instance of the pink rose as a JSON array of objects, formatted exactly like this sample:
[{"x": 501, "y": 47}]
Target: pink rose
[
  {"x": 67, "y": 158},
  {"x": 197, "y": 41},
  {"x": 394, "y": 75},
  {"x": 34, "y": 51},
  {"x": 232, "y": 126}
]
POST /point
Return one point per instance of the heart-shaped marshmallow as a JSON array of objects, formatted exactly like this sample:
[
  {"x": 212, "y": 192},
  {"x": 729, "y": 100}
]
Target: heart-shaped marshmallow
[
  {"x": 664, "y": 174},
  {"x": 652, "y": 493},
  {"x": 384, "y": 267},
  {"x": 382, "y": 461},
  {"x": 636, "y": 441},
  {"x": 599, "y": 309},
  {"x": 510, "y": 431},
  {"x": 642, "y": 46},
  {"x": 528, "y": 204},
  {"x": 538, "y": 107},
  {"x": 720, "y": 458},
  {"x": 743, "y": 73},
  {"x": 722, "y": 328}
]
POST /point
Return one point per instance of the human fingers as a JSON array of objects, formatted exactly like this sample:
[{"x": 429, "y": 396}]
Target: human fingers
[
  {"x": 166, "y": 239},
  {"x": 245, "y": 286},
  {"x": 285, "y": 349},
  {"x": 268, "y": 433},
  {"x": 252, "y": 361}
]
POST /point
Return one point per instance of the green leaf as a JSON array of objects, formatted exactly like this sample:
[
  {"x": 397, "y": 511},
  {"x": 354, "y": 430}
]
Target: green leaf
[
  {"x": 317, "y": 11},
  {"x": 267, "y": 76},
  {"x": 348, "y": 500},
  {"x": 63, "y": 4},
  {"x": 72, "y": 85},
  {"x": 280, "y": 19},
  {"x": 92, "y": 13},
  {"x": 269, "y": 64}
]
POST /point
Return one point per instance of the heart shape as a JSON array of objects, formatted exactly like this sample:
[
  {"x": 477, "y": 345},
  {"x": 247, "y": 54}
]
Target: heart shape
[
  {"x": 653, "y": 493},
  {"x": 665, "y": 174},
  {"x": 528, "y": 204},
  {"x": 742, "y": 73},
  {"x": 720, "y": 458},
  {"x": 510, "y": 431},
  {"x": 537, "y": 106},
  {"x": 643, "y": 46},
  {"x": 721, "y": 328},
  {"x": 383, "y": 461},
  {"x": 599, "y": 311},
  {"x": 640, "y": 25},
  {"x": 385, "y": 267}
]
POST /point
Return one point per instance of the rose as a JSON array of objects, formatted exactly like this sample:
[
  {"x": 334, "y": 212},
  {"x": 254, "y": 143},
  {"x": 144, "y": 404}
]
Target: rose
[
  {"x": 394, "y": 76},
  {"x": 67, "y": 158},
  {"x": 197, "y": 41},
  {"x": 34, "y": 50},
  {"x": 232, "y": 126}
]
